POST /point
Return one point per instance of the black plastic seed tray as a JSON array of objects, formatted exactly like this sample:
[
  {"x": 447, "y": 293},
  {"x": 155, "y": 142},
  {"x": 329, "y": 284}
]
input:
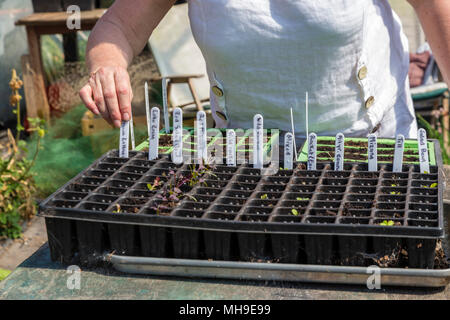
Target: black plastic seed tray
[{"x": 292, "y": 216}]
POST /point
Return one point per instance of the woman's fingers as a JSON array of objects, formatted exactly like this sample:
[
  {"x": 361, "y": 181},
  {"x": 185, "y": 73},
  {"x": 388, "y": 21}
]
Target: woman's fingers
[
  {"x": 110, "y": 95},
  {"x": 97, "y": 91},
  {"x": 86, "y": 97},
  {"x": 124, "y": 94}
]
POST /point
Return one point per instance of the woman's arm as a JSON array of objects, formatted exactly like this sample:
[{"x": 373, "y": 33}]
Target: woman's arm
[
  {"x": 434, "y": 16},
  {"x": 119, "y": 35}
]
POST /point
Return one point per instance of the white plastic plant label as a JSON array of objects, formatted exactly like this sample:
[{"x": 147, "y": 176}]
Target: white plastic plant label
[
  {"x": 258, "y": 126},
  {"x": 231, "y": 148},
  {"x": 423, "y": 151},
  {"x": 177, "y": 136},
  {"x": 288, "y": 151},
  {"x": 398, "y": 153},
  {"x": 372, "y": 152},
  {"x": 312, "y": 151},
  {"x": 133, "y": 144},
  {"x": 153, "y": 143},
  {"x": 147, "y": 108},
  {"x": 124, "y": 139},
  {"x": 201, "y": 136},
  {"x": 339, "y": 152},
  {"x": 165, "y": 82}
]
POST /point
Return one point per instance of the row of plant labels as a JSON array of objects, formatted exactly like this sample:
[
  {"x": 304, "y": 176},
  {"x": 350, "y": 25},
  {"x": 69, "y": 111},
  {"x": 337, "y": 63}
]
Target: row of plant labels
[{"x": 153, "y": 120}]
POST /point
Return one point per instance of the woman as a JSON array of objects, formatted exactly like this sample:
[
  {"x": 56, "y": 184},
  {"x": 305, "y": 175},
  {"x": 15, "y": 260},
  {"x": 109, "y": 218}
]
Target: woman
[{"x": 263, "y": 55}]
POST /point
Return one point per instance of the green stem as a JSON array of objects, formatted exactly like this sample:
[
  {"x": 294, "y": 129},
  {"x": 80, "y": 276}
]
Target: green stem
[{"x": 18, "y": 121}]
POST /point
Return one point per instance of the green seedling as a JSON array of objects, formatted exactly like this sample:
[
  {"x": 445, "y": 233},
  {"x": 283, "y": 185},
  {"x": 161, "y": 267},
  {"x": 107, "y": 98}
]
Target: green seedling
[
  {"x": 433, "y": 185},
  {"x": 264, "y": 196},
  {"x": 387, "y": 223},
  {"x": 117, "y": 210},
  {"x": 294, "y": 212},
  {"x": 395, "y": 192},
  {"x": 302, "y": 199},
  {"x": 153, "y": 186}
]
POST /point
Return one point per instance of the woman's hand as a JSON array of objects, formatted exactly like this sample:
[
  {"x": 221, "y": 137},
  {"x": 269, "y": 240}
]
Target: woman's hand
[
  {"x": 120, "y": 34},
  {"x": 108, "y": 93}
]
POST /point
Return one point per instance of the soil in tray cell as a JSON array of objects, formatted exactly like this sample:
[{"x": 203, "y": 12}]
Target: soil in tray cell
[
  {"x": 360, "y": 197},
  {"x": 225, "y": 208},
  {"x": 331, "y": 189},
  {"x": 63, "y": 203},
  {"x": 101, "y": 199},
  {"x": 101, "y": 174},
  {"x": 231, "y": 201},
  {"x": 238, "y": 186},
  {"x": 320, "y": 213},
  {"x": 301, "y": 196},
  {"x": 258, "y": 210},
  {"x": 135, "y": 169},
  {"x": 108, "y": 166},
  {"x": 114, "y": 160},
  {"x": 78, "y": 187},
  {"x": 389, "y": 214},
  {"x": 288, "y": 211},
  {"x": 308, "y": 174},
  {"x": 112, "y": 191},
  {"x": 67, "y": 195},
  {"x": 277, "y": 188},
  {"x": 238, "y": 194}
]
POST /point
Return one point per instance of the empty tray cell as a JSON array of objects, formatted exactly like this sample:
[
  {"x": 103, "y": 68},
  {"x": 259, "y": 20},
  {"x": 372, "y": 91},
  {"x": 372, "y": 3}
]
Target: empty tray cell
[
  {"x": 356, "y": 213},
  {"x": 358, "y": 205},
  {"x": 102, "y": 174},
  {"x": 364, "y": 182},
  {"x": 142, "y": 163},
  {"x": 326, "y": 205},
  {"x": 238, "y": 194},
  {"x": 424, "y": 199},
  {"x": 425, "y": 177},
  {"x": 394, "y": 183},
  {"x": 285, "y": 247},
  {"x": 423, "y": 207},
  {"x": 332, "y": 189},
  {"x": 391, "y": 198},
  {"x": 219, "y": 176},
  {"x": 243, "y": 186},
  {"x": 91, "y": 242},
  {"x": 215, "y": 184},
  {"x": 424, "y": 184},
  {"x": 63, "y": 203},
  {"x": 188, "y": 213},
  {"x": 388, "y": 222},
  {"x": 207, "y": 191},
  {"x": 283, "y": 173},
  {"x": 141, "y": 194},
  {"x": 127, "y": 176},
  {"x": 308, "y": 174},
  {"x": 300, "y": 196},
  {"x": 424, "y": 191},
  {"x": 395, "y": 175},
  {"x": 217, "y": 245},
  {"x": 295, "y": 212},
  {"x": 352, "y": 250},
  {"x": 124, "y": 208},
  {"x": 388, "y": 167},
  {"x": 421, "y": 253},
  {"x": 220, "y": 216},
  {"x": 111, "y": 191},
  {"x": 250, "y": 179},
  {"x": 393, "y": 190},
  {"x": 160, "y": 172},
  {"x": 70, "y": 195},
  {"x": 337, "y": 174},
  {"x": 93, "y": 206},
  {"x": 366, "y": 175},
  {"x": 224, "y": 169},
  {"x": 360, "y": 197},
  {"x": 422, "y": 223},
  {"x": 251, "y": 172},
  {"x": 354, "y": 220},
  {"x": 108, "y": 166},
  {"x": 114, "y": 160},
  {"x": 124, "y": 239},
  {"x": 253, "y": 217},
  {"x": 433, "y": 169},
  {"x": 258, "y": 210},
  {"x": 423, "y": 215},
  {"x": 347, "y": 166},
  {"x": 133, "y": 201},
  {"x": 91, "y": 181},
  {"x": 119, "y": 183},
  {"x": 305, "y": 181},
  {"x": 321, "y": 216},
  {"x": 390, "y": 205},
  {"x": 389, "y": 214},
  {"x": 319, "y": 249},
  {"x": 135, "y": 170},
  {"x": 154, "y": 241},
  {"x": 263, "y": 203},
  {"x": 268, "y": 195},
  {"x": 225, "y": 209},
  {"x": 81, "y": 187},
  {"x": 231, "y": 201},
  {"x": 296, "y": 188},
  {"x": 287, "y": 219},
  {"x": 252, "y": 246},
  {"x": 197, "y": 206},
  {"x": 186, "y": 243},
  {"x": 101, "y": 199}
]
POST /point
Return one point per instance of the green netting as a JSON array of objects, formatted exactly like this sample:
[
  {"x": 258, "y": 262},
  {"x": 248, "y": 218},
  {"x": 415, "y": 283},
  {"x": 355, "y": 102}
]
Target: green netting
[{"x": 65, "y": 152}]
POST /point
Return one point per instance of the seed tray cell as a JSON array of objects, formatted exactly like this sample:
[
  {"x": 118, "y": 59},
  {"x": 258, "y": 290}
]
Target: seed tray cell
[{"x": 259, "y": 212}]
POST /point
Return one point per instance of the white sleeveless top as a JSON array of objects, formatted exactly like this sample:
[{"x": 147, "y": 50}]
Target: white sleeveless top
[{"x": 263, "y": 55}]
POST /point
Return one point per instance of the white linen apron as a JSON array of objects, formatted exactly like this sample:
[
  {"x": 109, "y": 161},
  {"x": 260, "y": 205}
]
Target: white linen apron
[{"x": 263, "y": 55}]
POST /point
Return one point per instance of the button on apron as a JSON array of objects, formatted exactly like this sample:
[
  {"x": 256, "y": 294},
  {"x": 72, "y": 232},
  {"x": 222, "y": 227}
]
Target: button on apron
[
  {"x": 370, "y": 101},
  {"x": 362, "y": 73},
  {"x": 217, "y": 91}
]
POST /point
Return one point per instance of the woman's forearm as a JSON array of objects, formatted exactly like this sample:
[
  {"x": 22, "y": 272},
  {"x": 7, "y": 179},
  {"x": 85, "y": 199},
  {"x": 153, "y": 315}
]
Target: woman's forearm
[{"x": 434, "y": 16}]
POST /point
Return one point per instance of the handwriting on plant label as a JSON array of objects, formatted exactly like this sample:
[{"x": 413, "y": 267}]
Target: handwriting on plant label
[
  {"x": 372, "y": 152},
  {"x": 124, "y": 139},
  {"x": 177, "y": 136},
  {"x": 339, "y": 152},
  {"x": 257, "y": 141},
  {"x": 231, "y": 148},
  {"x": 312, "y": 151},
  {"x": 398, "y": 153},
  {"x": 423, "y": 151},
  {"x": 154, "y": 134},
  {"x": 288, "y": 152}
]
